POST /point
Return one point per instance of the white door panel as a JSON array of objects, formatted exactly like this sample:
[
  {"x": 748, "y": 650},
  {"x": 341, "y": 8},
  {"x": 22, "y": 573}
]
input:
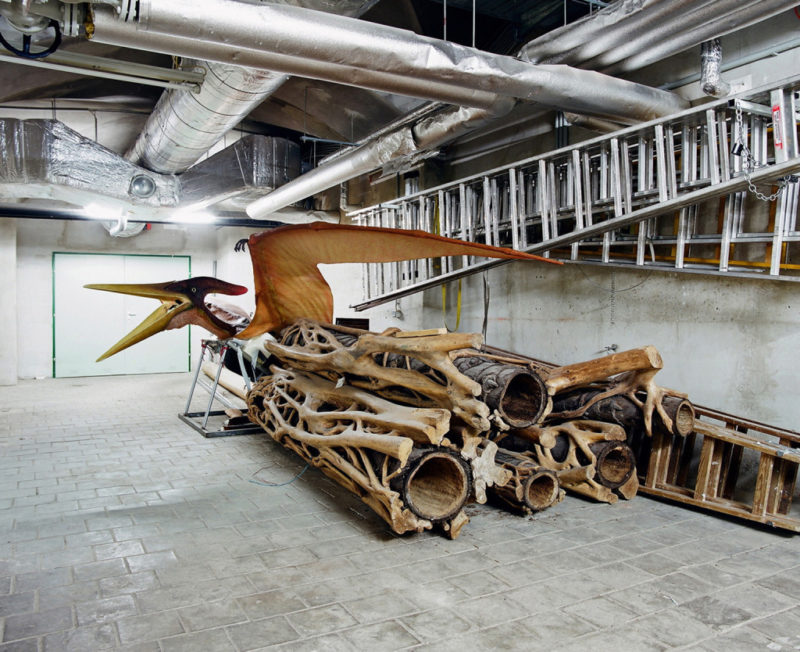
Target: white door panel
[{"x": 88, "y": 322}]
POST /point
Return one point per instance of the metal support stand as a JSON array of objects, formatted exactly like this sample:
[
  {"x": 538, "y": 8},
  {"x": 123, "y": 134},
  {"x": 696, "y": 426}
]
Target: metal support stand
[{"x": 199, "y": 420}]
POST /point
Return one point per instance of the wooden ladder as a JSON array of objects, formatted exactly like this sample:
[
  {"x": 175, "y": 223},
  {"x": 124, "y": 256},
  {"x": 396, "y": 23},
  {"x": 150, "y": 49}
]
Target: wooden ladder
[{"x": 718, "y": 483}]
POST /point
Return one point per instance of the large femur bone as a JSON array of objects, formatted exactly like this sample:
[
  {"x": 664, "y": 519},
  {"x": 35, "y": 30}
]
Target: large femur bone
[
  {"x": 421, "y": 373},
  {"x": 387, "y": 454},
  {"x": 517, "y": 393}
]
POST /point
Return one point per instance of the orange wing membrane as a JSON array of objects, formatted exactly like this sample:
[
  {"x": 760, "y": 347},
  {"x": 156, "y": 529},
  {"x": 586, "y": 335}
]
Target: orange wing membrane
[{"x": 289, "y": 285}]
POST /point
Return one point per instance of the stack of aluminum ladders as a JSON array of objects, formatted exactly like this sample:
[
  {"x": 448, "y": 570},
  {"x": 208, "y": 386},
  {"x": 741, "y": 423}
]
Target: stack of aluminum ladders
[{"x": 687, "y": 193}]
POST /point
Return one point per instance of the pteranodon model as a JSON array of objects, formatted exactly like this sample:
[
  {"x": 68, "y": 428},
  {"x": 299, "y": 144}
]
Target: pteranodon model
[{"x": 288, "y": 284}]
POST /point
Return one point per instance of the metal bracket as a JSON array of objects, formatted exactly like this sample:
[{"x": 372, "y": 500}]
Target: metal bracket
[{"x": 199, "y": 420}]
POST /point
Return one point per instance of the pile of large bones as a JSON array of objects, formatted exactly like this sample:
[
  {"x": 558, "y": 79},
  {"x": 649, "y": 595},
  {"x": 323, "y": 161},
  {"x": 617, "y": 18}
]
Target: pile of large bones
[{"x": 418, "y": 424}]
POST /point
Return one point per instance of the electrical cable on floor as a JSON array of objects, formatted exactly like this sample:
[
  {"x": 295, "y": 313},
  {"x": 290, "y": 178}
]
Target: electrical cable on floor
[{"x": 275, "y": 484}]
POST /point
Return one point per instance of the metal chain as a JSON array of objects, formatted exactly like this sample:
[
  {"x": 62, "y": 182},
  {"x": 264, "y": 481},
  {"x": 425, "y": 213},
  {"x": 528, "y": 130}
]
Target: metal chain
[{"x": 749, "y": 162}]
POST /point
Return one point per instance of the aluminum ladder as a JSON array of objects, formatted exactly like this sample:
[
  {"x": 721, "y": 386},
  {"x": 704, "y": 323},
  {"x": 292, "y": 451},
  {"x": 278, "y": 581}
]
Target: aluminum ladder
[{"x": 677, "y": 193}]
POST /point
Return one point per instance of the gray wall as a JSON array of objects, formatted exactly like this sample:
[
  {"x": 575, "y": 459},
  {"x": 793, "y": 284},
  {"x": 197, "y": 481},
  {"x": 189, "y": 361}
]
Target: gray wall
[
  {"x": 8, "y": 302},
  {"x": 36, "y": 242}
]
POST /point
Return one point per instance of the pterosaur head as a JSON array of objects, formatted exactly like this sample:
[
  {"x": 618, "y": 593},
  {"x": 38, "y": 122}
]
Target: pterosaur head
[{"x": 182, "y": 302}]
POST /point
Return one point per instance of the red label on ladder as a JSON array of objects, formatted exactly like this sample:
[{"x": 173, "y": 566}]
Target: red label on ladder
[{"x": 777, "y": 126}]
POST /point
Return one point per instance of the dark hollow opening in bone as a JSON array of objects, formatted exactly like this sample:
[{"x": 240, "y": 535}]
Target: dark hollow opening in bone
[
  {"x": 560, "y": 449},
  {"x": 523, "y": 400},
  {"x": 684, "y": 419},
  {"x": 437, "y": 488},
  {"x": 541, "y": 491},
  {"x": 614, "y": 465}
]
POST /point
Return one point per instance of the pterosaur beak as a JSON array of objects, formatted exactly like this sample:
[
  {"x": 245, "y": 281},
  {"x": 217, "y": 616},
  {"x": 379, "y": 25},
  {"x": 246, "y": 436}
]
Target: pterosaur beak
[
  {"x": 172, "y": 303},
  {"x": 176, "y": 297}
]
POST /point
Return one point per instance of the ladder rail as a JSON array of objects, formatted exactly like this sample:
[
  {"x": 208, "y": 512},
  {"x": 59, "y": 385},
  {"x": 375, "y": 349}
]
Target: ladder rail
[{"x": 624, "y": 199}]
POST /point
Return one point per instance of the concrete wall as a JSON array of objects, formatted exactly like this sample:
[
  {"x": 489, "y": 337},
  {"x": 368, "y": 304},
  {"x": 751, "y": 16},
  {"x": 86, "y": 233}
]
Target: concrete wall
[
  {"x": 36, "y": 242},
  {"x": 8, "y": 302}
]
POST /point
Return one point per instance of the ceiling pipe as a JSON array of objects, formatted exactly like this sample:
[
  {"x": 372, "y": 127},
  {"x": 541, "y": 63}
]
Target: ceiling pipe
[
  {"x": 185, "y": 125},
  {"x": 688, "y": 30},
  {"x": 625, "y": 37},
  {"x": 426, "y": 134},
  {"x": 353, "y": 52},
  {"x": 456, "y": 121},
  {"x": 711, "y": 68},
  {"x": 592, "y": 124},
  {"x": 596, "y": 33}
]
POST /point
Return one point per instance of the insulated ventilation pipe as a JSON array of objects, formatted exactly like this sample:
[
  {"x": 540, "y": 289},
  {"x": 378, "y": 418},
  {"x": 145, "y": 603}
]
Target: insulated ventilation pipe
[
  {"x": 710, "y": 69},
  {"x": 184, "y": 125},
  {"x": 310, "y": 43}
]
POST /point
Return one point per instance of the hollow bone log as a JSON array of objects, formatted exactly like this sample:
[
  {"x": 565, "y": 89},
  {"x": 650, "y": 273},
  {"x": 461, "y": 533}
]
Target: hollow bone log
[
  {"x": 366, "y": 444},
  {"x": 435, "y": 484},
  {"x": 596, "y": 446},
  {"x": 622, "y": 411},
  {"x": 532, "y": 487},
  {"x": 518, "y": 394},
  {"x": 315, "y": 347},
  {"x": 634, "y": 371}
]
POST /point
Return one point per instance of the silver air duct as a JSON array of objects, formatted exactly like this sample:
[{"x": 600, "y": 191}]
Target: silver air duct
[
  {"x": 240, "y": 172},
  {"x": 45, "y": 159},
  {"x": 629, "y": 35},
  {"x": 36, "y": 156},
  {"x": 710, "y": 69},
  {"x": 686, "y": 30},
  {"x": 185, "y": 125},
  {"x": 596, "y": 33},
  {"x": 310, "y": 44}
]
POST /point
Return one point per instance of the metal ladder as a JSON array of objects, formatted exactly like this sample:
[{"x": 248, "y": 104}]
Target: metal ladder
[{"x": 675, "y": 193}]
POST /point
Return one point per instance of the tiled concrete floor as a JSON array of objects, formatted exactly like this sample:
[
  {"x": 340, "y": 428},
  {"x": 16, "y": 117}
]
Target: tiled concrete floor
[{"x": 123, "y": 528}]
